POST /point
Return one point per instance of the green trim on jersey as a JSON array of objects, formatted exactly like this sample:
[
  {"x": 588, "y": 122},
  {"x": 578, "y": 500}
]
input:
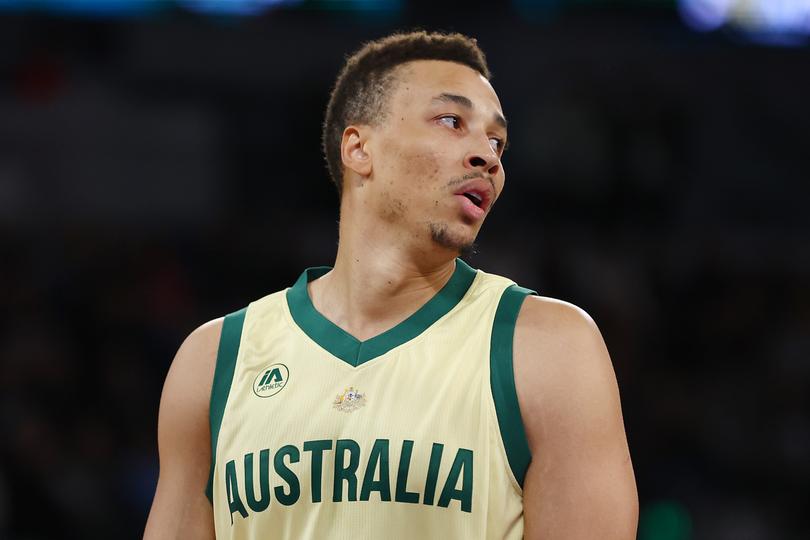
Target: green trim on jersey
[
  {"x": 221, "y": 387},
  {"x": 354, "y": 352},
  {"x": 502, "y": 379}
]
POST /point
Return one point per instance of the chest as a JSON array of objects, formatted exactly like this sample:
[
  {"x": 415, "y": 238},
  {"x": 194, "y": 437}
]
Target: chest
[{"x": 411, "y": 426}]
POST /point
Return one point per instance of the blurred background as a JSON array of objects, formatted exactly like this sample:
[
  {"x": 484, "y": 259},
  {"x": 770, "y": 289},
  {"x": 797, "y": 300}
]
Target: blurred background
[{"x": 160, "y": 166}]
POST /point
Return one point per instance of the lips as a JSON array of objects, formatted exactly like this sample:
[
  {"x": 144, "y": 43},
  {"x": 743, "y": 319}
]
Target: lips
[
  {"x": 479, "y": 192},
  {"x": 475, "y": 197}
]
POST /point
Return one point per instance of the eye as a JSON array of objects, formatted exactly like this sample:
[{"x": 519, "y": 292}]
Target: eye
[
  {"x": 450, "y": 121},
  {"x": 497, "y": 144}
]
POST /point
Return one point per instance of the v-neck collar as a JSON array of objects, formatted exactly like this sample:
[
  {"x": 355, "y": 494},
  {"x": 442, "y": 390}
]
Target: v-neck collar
[{"x": 355, "y": 352}]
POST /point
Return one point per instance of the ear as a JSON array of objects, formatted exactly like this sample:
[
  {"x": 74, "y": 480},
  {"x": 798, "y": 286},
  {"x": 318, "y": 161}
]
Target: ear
[{"x": 354, "y": 150}]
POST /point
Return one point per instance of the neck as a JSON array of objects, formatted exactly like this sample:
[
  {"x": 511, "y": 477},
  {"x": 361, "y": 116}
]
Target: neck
[{"x": 379, "y": 279}]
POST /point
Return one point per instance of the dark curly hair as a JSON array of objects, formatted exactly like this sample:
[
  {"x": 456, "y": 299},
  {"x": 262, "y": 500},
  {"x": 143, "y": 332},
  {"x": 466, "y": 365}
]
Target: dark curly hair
[{"x": 365, "y": 83}]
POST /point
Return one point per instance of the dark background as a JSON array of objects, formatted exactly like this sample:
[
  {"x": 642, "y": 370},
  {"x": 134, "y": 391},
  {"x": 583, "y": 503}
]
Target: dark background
[{"x": 158, "y": 170}]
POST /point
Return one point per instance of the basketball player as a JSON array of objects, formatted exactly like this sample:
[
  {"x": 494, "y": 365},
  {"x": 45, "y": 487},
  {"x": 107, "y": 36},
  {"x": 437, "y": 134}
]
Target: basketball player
[{"x": 401, "y": 393}]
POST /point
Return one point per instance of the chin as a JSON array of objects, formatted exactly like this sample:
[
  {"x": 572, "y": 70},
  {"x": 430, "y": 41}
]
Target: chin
[{"x": 462, "y": 242}]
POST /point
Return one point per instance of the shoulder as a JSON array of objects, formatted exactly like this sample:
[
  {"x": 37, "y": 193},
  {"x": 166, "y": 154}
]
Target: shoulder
[
  {"x": 562, "y": 368},
  {"x": 203, "y": 339},
  {"x": 192, "y": 371},
  {"x": 180, "y": 508},
  {"x": 549, "y": 323},
  {"x": 200, "y": 346},
  {"x": 184, "y": 403},
  {"x": 579, "y": 482}
]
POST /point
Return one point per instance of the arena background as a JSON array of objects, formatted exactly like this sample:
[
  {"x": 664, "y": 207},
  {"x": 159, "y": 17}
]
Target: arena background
[{"x": 160, "y": 166}]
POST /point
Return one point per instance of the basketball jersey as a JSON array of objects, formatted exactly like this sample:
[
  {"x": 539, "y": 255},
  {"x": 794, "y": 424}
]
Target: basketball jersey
[{"x": 414, "y": 433}]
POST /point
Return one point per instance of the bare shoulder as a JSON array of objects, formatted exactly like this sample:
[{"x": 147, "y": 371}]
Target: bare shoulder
[
  {"x": 548, "y": 322},
  {"x": 562, "y": 367},
  {"x": 580, "y": 482},
  {"x": 197, "y": 354},
  {"x": 551, "y": 331},
  {"x": 201, "y": 344},
  {"x": 187, "y": 389},
  {"x": 180, "y": 508}
]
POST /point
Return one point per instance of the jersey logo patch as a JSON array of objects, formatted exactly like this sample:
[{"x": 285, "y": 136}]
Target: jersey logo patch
[
  {"x": 350, "y": 400},
  {"x": 271, "y": 380}
]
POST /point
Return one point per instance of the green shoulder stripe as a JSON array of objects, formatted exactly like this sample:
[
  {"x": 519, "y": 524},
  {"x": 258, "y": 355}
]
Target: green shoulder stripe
[
  {"x": 502, "y": 380},
  {"x": 223, "y": 376}
]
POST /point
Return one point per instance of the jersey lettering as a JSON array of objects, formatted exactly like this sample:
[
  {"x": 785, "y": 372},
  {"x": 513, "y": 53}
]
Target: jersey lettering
[{"x": 376, "y": 476}]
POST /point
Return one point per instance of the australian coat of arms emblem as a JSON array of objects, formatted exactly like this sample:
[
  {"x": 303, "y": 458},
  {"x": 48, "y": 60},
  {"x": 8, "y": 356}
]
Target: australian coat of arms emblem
[{"x": 350, "y": 400}]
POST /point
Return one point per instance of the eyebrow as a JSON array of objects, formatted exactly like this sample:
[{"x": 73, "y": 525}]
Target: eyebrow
[{"x": 467, "y": 103}]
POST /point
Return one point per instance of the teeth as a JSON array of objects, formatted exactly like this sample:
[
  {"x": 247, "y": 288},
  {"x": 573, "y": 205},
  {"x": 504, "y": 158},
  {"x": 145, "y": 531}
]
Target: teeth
[{"x": 476, "y": 196}]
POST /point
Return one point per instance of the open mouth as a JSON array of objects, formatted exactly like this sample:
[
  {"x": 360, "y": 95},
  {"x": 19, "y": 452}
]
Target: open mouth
[{"x": 475, "y": 198}]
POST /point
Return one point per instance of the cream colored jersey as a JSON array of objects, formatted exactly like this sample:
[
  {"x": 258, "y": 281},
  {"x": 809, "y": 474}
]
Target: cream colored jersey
[{"x": 415, "y": 433}]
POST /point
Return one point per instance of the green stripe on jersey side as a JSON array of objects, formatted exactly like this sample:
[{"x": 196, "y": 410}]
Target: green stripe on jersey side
[
  {"x": 221, "y": 387},
  {"x": 502, "y": 380}
]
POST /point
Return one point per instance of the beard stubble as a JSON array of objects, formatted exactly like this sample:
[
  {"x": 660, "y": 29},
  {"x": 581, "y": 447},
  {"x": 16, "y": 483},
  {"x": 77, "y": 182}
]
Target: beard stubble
[{"x": 440, "y": 234}]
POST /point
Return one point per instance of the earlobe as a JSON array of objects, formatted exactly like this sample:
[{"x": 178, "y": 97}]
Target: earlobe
[{"x": 354, "y": 151}]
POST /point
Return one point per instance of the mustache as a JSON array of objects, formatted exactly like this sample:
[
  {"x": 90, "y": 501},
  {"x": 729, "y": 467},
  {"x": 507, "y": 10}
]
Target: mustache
[{"x": 470, "y": 176}]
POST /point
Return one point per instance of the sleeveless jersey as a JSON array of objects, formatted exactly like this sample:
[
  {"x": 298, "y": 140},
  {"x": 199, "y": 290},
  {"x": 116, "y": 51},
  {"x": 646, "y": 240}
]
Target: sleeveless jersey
[{"x": 415, "y": 433}]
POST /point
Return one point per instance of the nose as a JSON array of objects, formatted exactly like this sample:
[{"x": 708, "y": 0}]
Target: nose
[{"x": 486, "y": 161}]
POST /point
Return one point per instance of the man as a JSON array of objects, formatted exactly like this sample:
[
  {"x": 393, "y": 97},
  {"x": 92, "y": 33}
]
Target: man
[{"x": 400, "y": 394}]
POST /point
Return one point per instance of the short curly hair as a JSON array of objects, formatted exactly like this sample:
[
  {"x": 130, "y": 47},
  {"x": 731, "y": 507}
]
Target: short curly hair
[{"x": 362, "y": 89}]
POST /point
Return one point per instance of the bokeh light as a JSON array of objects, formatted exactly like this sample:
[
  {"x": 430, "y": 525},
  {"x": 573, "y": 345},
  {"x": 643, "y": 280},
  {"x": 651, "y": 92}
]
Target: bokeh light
[
  {"x": 782, "y": 22},
  {"x": 234, "y": 7}
]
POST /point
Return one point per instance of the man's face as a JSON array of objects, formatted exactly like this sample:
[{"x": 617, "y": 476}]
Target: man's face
[{"x": 436, "y": 158}]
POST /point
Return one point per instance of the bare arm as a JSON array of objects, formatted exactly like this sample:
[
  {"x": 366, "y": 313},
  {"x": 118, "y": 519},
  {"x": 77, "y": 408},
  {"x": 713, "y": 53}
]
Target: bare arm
[
  {"x": 580, "y": 483},
  {"x": 180, "y": 508}
]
